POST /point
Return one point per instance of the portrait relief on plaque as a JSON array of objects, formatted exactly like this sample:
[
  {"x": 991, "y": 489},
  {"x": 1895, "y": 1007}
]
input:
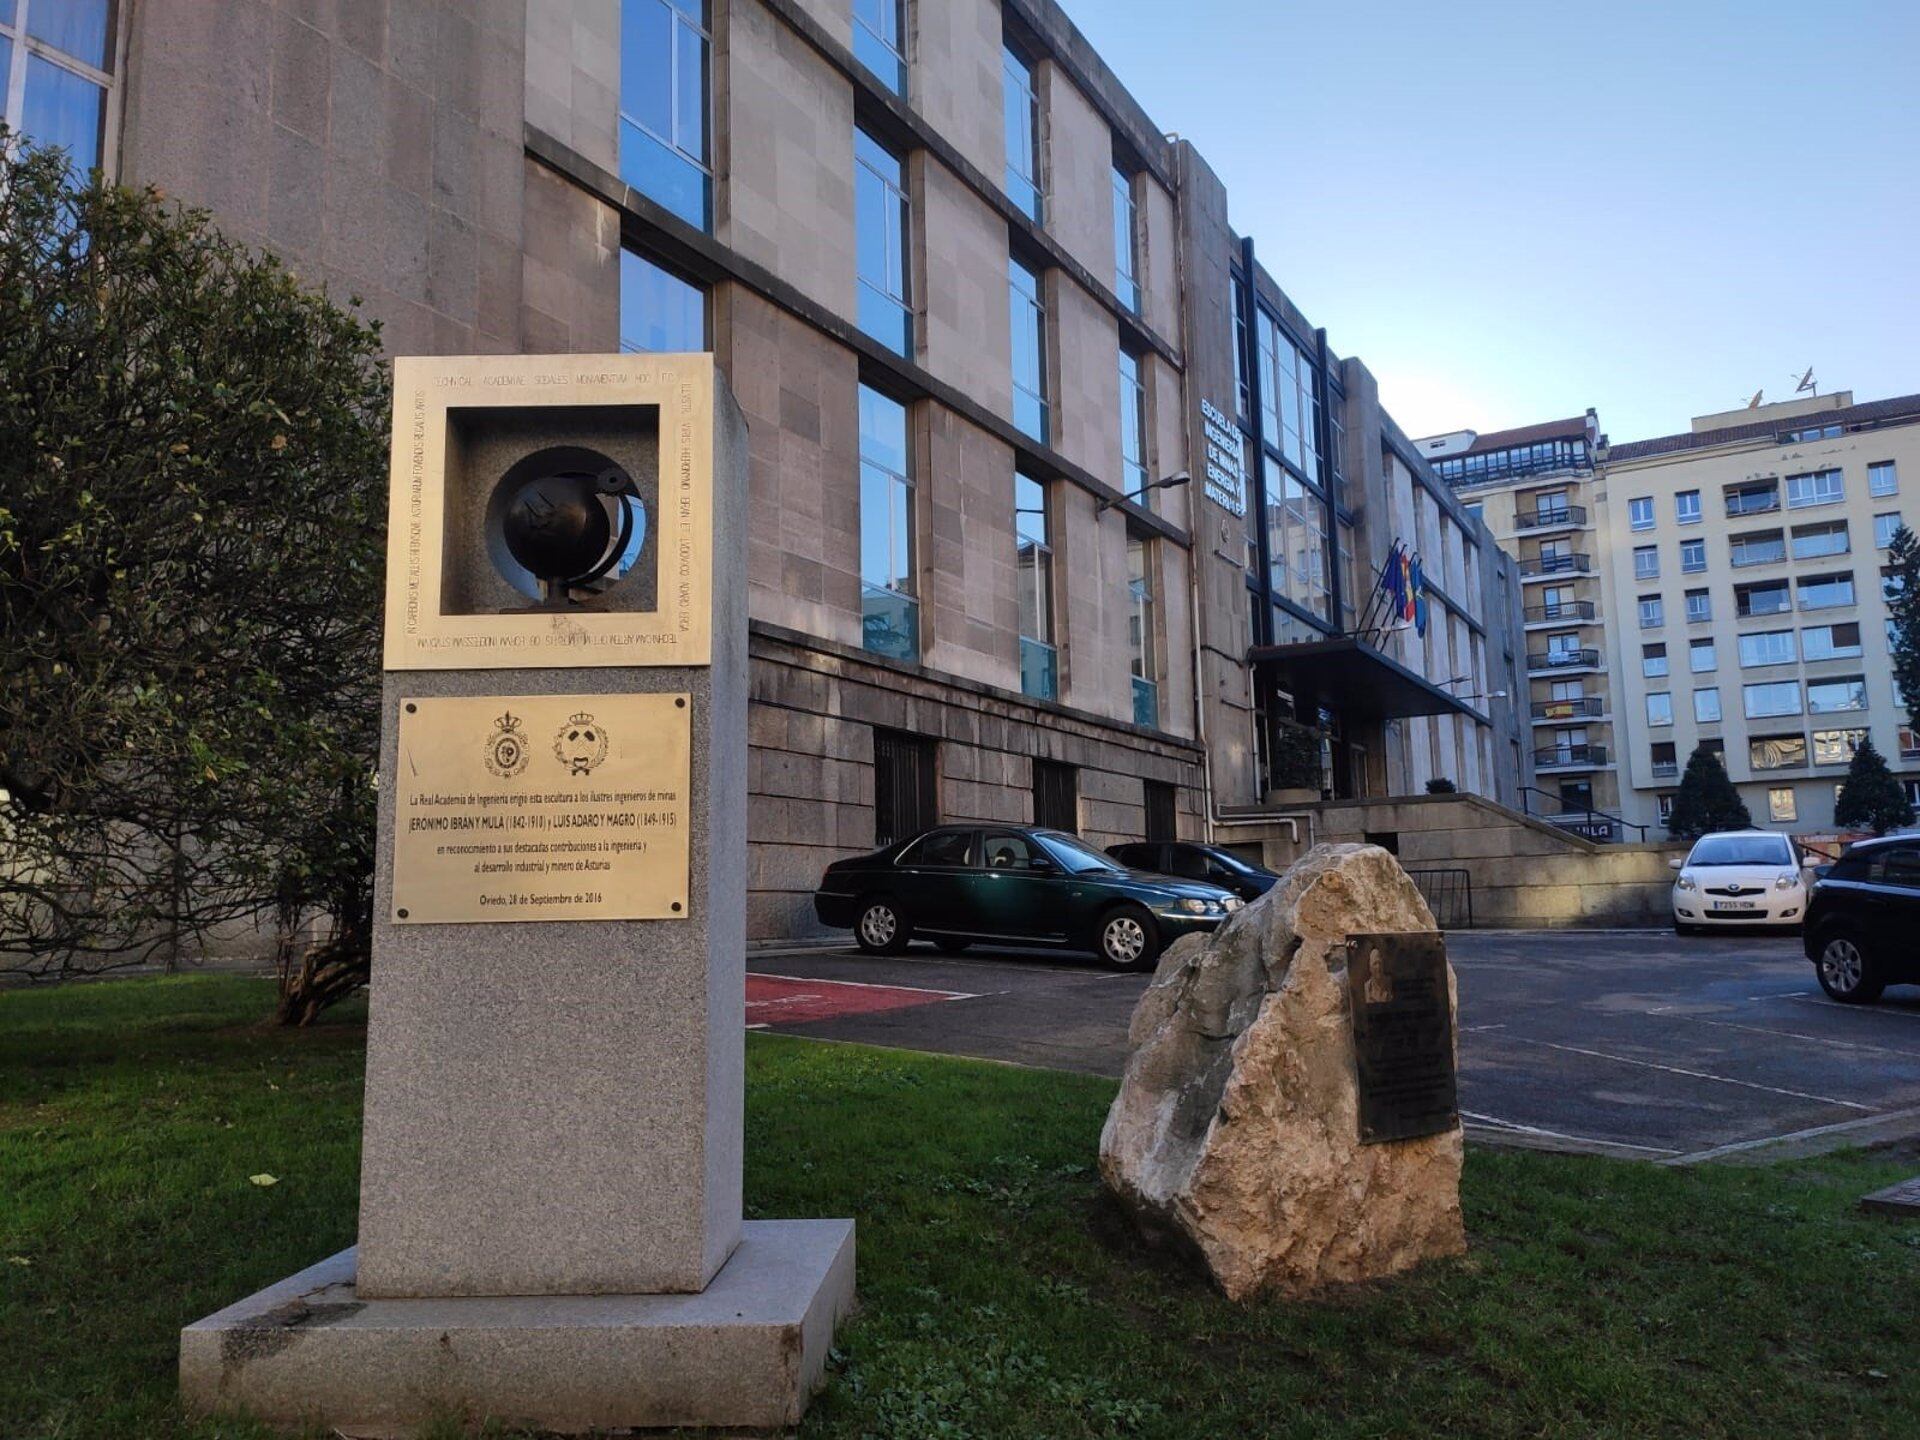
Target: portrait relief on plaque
[
  {"x": 550, "y": 511},
  {"x": 542, "y": 807},
  {"x": 1402, "y": 1009}
]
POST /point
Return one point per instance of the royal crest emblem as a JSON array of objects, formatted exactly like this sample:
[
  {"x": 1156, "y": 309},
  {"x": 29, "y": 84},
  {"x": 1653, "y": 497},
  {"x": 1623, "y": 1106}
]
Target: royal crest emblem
[
  {"x": 507, "y": 752},
  {"x": 580, "y": 744}
]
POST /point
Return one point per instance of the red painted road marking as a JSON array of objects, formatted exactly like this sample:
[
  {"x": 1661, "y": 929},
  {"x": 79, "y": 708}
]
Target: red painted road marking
[{"x": 787, "y": 1000}]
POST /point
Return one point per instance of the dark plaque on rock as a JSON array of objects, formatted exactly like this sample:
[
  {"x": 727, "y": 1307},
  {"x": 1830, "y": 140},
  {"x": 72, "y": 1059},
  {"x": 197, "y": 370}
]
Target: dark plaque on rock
[{"x": 1402, "y": 1035}]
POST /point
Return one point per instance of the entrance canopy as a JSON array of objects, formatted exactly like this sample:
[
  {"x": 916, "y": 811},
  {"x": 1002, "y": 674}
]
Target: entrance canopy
[{"x": 1354, "y": 680}]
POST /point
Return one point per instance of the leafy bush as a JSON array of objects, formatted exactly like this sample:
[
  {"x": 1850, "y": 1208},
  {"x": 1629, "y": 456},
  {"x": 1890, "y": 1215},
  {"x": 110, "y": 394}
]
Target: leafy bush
[
  {"x": 1706, "y": 801},
  {"x": 192, "y": 506},
  {"x": 1871, "y": 797},
  {"x": 1441, "y": 785},
  {"x": 1295, "y": 756}
]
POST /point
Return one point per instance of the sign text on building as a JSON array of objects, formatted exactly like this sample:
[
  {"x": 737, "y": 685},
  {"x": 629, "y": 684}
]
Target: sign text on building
[{"x": 1226, "y": 475}]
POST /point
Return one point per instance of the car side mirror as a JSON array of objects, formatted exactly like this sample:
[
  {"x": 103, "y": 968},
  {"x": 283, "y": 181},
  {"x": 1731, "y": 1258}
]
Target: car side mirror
[
  {"x": 1038, "y": 866},
  {"x": 1675, "y": 864},
  {"x": 1820, "y": 872}
]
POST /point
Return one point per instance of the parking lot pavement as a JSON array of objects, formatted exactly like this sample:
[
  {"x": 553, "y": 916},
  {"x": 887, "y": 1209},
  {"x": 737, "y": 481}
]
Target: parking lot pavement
[{"x": 1632, "y": 1042}]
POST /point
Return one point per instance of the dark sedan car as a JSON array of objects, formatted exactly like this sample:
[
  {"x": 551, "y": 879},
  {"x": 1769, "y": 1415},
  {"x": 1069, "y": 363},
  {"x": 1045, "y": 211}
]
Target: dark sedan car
[
  {"x": 1191, "y": 861},
  {"x": 1013, "y": 885},
  {"x": 1863, "y": 922}
]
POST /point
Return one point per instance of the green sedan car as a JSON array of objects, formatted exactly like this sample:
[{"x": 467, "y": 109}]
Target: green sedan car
[{"x": 1013, "y": 885}]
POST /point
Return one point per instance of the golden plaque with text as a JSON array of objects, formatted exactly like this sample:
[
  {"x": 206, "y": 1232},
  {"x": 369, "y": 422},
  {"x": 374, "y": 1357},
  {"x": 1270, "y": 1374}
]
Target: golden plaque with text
[{"x": 542, "y": 807}]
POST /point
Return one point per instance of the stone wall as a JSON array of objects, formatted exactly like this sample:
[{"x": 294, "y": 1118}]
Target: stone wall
[{"x": 1525, "y": 872}]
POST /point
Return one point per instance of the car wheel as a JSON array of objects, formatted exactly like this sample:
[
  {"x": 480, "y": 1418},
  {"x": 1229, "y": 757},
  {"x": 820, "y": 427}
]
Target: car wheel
[
  {"x": 1127, "y": 939},
  {"x": 1845, "y": 971},
  {"x": 952, "y": 947},
  {"x": 881, "y": 928}
]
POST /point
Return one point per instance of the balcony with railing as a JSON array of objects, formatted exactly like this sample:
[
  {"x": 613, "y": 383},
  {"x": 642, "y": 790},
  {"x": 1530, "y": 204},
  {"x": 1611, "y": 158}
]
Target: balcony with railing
[
  {"x": 1582, "y": 707},
  {"x": 1551, "y": 517},
  {"x": 1585, "y": 657},
  {"x": 1534, "y": 567},
  {"x": 1565, "y": 612},
  {"x": 1570, "y": 757},
  {"x": 1666, "y": 769}
]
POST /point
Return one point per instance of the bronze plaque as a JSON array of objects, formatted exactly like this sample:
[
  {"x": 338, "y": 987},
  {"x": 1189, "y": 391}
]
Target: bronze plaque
[
  {"x": 542, "y": 807},
  {"x": 1402, "y": 1035},
  {"x": 442, "y": 474}
]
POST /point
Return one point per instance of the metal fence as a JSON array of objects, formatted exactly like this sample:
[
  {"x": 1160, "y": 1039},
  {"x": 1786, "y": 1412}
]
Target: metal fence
[{"x": 1449, "y": 895}]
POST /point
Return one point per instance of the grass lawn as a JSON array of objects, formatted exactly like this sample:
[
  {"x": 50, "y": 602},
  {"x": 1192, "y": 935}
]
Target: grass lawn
[{"x": 999, "y": 1294}]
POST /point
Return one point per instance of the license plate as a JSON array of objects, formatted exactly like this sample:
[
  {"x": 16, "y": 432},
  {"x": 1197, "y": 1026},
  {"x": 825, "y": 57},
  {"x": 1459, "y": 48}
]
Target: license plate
[{"x": 1735, "y": 905}]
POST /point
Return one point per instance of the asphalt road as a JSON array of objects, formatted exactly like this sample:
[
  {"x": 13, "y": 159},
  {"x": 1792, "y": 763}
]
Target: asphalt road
[{"x": 1637, "y": 1043}]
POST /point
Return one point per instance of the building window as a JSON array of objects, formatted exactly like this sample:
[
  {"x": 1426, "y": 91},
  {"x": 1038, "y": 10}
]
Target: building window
[
  {"x": 1288, "y": 402},
  {"x": 1780, "y": 804},
  {"x": 889, "y": 613},
  {"x": 1693, "y": 556},
  {"x": 1771, "y": 697},
  {"x": 1666, "y": 760},
  {"x": 1762, "y": 597},
  {"x": 1810, "y": 542},
  {"x": 1653, "y": 661},
  {"x": 1836, "y": 747},
  {"x": 1686, "y": 507},
  {"x": 1706, "y": 705},
  {"x": 1126, "y": 244},
  {"x": 1056, "y": 795},
  {"x": 1640, "y": 512},
  {"x": 1823, "y": 592},
  {"x": 663, "y": 105},
  {"x": 1140, "y": 637},
  {"x": 880, "y": 40},
  {"x": 1882, "y": 478},
  {"x": 906, "y": 789},
  {"x": 1023, "y": 133},
  {"x": 1660, "y": 707},
  {"x": 1699, "y": 606},
  {"x": 881, "y": 223},
  {"x": 1663, "y": 803},
  {"x": 1701, "y": 656},
  {"x": 1757, "y": 547},
  {"x": 1909, "y": 741},
  {"x": 1133, "y": 428},
  {"x": 1028, "y": 315},
  {"x": 1823, "y": 487},
  {"x": 1242, "y": 391},
  {"x": 659, "y": 310},
  {"x": 1849, "y": 692},
  {"x": 1885, "y": 527},
  {"x": 1760, "y": 497},
  {"x": 1646, "y": 562},
  {"x": 1653, "y": 612},
  {"x": 1777, "y": 752},
  {"x": 1766, "y": 647},
  {"x": 1831, "y": 642},
  {"x": 1033, "y": 529},
  {"x": 55, "y": 56}
]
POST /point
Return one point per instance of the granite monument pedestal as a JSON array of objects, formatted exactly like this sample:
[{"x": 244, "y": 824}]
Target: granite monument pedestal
[{"x": 550, "y": 1205}]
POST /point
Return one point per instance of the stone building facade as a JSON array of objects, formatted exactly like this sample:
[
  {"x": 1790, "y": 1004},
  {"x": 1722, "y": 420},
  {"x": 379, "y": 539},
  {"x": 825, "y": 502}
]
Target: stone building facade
[{"x": 989, "y": 327}]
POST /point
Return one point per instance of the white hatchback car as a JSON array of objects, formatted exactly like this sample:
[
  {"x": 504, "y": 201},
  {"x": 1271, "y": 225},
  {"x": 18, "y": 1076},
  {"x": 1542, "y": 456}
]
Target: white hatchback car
[{"x": 1739, "y": 878}]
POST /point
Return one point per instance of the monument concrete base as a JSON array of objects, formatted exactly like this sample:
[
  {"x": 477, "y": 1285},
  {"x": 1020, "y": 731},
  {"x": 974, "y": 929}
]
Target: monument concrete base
[{"x": 746, "y": 1352}]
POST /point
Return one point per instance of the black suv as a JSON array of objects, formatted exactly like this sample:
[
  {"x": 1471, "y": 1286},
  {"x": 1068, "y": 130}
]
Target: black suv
[
  {"x": 1192, "y": 861},
  {"x": 1863, "y": 922}
]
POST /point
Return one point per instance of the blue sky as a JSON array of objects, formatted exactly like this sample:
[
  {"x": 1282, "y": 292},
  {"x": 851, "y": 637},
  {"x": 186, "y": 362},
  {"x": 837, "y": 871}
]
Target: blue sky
[{"x": 1511, "y": 211}]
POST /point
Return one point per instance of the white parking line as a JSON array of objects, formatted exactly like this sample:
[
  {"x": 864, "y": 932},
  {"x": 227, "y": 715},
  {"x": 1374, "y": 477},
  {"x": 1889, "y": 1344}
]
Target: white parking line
[
  {"x": 1470, "y": 1029},
  {"x": 1668, "y": 1010},
  {"x": 1497, "y": 1123},
  {"x": 864, "y": 985},
  {"x": 1781, "y": 995},
  {"x": 1694, "y": 1074},
  {"x": 1886, "y": 1118},
  {"x": 1836, "y": 1006}
]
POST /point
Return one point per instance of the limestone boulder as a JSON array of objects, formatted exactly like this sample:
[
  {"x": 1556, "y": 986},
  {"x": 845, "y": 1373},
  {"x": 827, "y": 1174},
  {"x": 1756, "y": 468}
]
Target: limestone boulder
[{"x": 1236, "y": 1130}]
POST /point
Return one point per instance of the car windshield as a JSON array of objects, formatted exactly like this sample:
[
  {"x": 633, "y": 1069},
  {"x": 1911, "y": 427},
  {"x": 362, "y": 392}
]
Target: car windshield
[
  {"x": 1741, "y": 850},
  {"x": 1076, "y": 857}
]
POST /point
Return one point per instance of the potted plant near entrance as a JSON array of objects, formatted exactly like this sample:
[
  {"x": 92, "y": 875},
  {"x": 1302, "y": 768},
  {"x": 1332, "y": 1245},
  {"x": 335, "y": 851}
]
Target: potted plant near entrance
[{"x": 1296, "y": 766}]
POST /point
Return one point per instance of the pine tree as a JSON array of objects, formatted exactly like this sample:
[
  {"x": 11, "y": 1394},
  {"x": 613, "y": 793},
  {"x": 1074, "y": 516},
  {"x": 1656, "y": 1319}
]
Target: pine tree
[
  {"x": 1706, "y": 800},
  {"x": 1872, "y": 797},
  {"x": 1903, "y": 606}
]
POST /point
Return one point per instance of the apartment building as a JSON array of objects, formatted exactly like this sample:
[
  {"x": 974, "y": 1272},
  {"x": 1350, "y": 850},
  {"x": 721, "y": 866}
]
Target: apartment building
[
  {"x": 1060, "y": 508},
  {"x": 1535, "y": 488},
  {"x": 1748, "y": 555}
]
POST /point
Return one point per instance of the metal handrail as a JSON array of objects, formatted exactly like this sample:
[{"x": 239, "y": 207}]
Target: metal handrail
[
  {"x": 1564, "y": 659},
  {"x": 1565, "y": 610},
  {"x": 1570, "y": 755},
  {"x": 1578, "y": 562},
  {"x": 1585, "y": 707},
  {"x": 1574, "y": 813},
  {"x": 1559, "y": 515}
]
